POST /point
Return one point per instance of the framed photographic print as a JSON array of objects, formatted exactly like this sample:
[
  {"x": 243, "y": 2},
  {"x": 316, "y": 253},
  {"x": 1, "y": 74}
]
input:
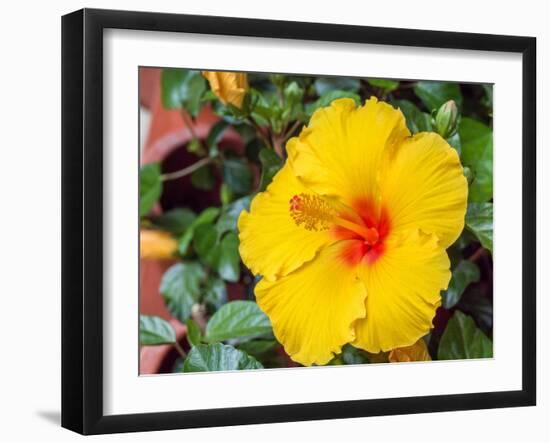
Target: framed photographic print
[{"x": 271, "y": 221}]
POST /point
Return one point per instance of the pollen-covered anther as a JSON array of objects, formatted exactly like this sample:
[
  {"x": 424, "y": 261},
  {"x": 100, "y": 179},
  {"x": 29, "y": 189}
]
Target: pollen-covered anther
[{"x": 311, "y": 211}]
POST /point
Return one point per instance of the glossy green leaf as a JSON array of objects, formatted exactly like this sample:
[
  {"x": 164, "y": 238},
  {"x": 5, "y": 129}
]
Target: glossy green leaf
[
  {"x": 327, "y": 84},
  {"x": 480, "y": 307},
  {"x": 205, "y": 217},
  {"x": 417, "y": 121},
  {"x": 205, "y": 243},
  {"x": 488, "y": 99},
  {"x": 271, "y": 164},
  {"x": 182, "y": 88},
  {"x": 327, "y": 98},
  {"x": 433, "y": 94},
  {"x": 387, "y": 85},
  {"x": 237, "y": 175},
  {"x": 218, "y": 357},
  {"x": 228, "y": 265},
  {"x": 155, "y": 331},
  {"x": 230, "y": 214},
  {"x": 150, "y": 187},
  {"x": 180, "y": 288},
  {"x": 237, "y": 319},
  {"x": 215, "y": 134},
  {"x": 479, "y": 220},
  {"x": 257, "y": 348},
  {"x": 466, "y": 272},
  {"x": 194, "y": 335},
  {"x": 203, "y": 178},
  {"x": 176, "y": 220},
  {"x": 215, "y": 292},
  {"x": 477, "y": 153},
  {"x": 463, "y": 339},
  {"x": 353, "y": 356},
  {"x": 454, "y": 141}
]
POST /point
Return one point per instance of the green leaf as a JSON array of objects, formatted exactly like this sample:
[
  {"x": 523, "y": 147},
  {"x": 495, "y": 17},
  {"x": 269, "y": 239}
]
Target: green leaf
[
  {"x": 454, "y": 141},
  {"x": 182, "y": 88},
  {"x": 176, "y": 220},
  {"x": 327, "y": 98},
  {"x": 488, "y": 99},
  {"x": 434, "y": 94},
  {"x": 206, "y": 216},
  {"x": 237, "y": 319},
  {"x": 293, "y": 106},
  {"x": 150, "y": 187},
  {"x": 463, "y": 339},
  {"x": 178, "y": 366},
  {"x": 230, "y": 214},
  {"x": 353, "y": 356},
  {"x": 271, "y": 164},
  {"x": 237, "y": 175},
  {"x": 221, "y": 255},
  {"x": 205, "y": 243},
  {"x": 257, "y": 348},
  {"x": 218, "y": 357},
  {"x": 479, "y": 306},
  {"x": 180, "y": 288},
  {"x": 203, "y": 178},
  {"x": 215, "y": 292},
  {"x": 229, "y": 259},
  {"x": 324, "y": 85},
  {"x": 387, "y": 85},
  {"x": 479, "y": 220},
  {"x": 155, "y": 331},
  {"x": 465, "y": 273},
  {"x": 215, "y": 134},
  {"x": 194, "y": 335},
  {"x": 477, "y": 153},
  {"x": 417, "y": 121}
]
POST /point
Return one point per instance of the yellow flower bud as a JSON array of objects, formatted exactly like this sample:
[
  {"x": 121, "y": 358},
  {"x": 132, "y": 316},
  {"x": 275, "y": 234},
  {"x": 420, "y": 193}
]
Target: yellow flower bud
[
  {"x": 415, "y": 352},
  {"x": 156, "y": 244},
  {"x": 229, "y": 87}
]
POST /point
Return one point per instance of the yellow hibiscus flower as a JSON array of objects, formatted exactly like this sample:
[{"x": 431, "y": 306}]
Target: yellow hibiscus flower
[
  {"x": 155, "y": 244},
  {"x": 229, "y": 87},
  {"x": 351, "y": 236}
]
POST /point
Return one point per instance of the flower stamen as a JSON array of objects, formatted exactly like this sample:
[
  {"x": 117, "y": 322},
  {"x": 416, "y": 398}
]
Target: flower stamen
[
  {"x": 311, "y": 211},
  {"x": 316, "y": 214}
]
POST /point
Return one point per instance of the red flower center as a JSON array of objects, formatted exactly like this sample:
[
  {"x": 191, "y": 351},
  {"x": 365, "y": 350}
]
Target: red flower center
[
  {"x": 365, "y": 224},
  {"x": 365, "y": 247}
]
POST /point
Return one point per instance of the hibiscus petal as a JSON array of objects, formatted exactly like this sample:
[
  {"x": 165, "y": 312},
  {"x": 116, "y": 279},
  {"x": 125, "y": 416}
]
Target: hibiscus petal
[
  {"x": 416, "y": 352},
  {"x": 271, "y": 244},
  {"x": 403, "y": 287},
  {"x": 422, "y": 185},
  {"x": 313, "y": 309},
  {"x": 340, "y": 151}
]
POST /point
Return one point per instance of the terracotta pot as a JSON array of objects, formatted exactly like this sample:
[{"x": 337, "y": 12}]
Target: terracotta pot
[
  {"x": 168, "y": 130},
  {"x": 160, "y": 359},
  {"x": 166, "y": 142}
]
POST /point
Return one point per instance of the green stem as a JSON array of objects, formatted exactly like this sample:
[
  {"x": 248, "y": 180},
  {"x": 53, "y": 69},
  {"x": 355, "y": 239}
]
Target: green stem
[
  {"x": 191, "y": 126},
  {"x": 188, "y": 170},
  {"x": 180, "y": 350}
]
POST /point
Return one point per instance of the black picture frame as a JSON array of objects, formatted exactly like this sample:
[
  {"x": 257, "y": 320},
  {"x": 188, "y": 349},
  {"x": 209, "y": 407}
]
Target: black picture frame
[{"x": 82, "y": 220}]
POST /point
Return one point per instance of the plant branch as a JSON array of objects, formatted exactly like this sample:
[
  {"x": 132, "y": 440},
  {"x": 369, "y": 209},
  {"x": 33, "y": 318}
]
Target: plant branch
[
  {"x": 259, "y": 131},
  {"x": 180, "y": 350},
  {"x": 190, "y": 125},
  {"x": 477, "y": 254},
  {"x": 188, "y": 170}
]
